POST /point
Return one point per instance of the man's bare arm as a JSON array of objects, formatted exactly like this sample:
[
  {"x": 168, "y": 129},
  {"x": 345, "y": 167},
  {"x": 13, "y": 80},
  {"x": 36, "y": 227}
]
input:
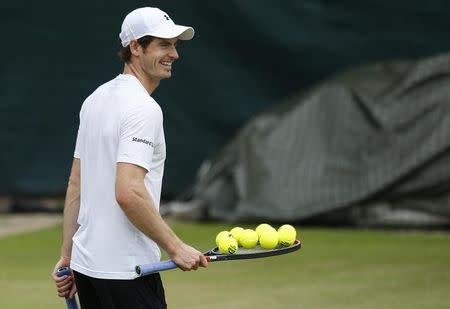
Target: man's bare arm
[
  {"x": 71, "y": 209},
  {"x": 138, "y": 206}
]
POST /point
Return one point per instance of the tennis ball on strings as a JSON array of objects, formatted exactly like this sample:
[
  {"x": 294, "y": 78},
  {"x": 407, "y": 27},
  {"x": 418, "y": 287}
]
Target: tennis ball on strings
[
  {"x": 236, "y": 233},
  {"x": 221, "y": 235},
  {"x": 228, "y": 245},
  {"x": 249, "y": 238},
  {"x": 263, "y": 227},
  {"x": 286, "y": 235},
  {"x": 269, "y": 239}
]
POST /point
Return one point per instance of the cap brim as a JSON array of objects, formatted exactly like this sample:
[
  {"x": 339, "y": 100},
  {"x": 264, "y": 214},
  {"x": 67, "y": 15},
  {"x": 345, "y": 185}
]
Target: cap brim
[{"x": 174, "y": 31}]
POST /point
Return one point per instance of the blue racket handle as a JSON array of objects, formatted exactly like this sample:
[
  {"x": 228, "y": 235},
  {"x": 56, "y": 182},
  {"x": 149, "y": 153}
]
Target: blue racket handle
[
  {"x": 147, "y": 269},
  {"x": 71, "y": 302}
]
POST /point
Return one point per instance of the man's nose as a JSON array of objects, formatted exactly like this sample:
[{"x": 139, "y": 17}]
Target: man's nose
[{"x": 173, "y": 53}]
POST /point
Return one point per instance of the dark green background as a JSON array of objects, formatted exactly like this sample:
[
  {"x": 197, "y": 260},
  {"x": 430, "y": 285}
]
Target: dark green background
[{"x": 246, "y": 55}]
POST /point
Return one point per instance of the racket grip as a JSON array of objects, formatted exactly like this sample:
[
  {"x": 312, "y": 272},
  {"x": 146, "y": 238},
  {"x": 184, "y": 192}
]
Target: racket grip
[
  {"x": 146, "y": 269},
  {"x": 71, "y": 302}
]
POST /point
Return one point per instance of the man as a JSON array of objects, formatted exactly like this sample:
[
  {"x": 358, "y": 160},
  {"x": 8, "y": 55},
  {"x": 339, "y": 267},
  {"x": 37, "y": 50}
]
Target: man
[{"x": 111, "y": 218}]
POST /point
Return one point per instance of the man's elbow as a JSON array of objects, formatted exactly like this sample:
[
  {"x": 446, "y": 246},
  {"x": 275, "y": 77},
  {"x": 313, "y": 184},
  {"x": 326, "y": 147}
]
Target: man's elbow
[
  {"x": 123, "y": 197},
  {"x": 126, "y": 197}
]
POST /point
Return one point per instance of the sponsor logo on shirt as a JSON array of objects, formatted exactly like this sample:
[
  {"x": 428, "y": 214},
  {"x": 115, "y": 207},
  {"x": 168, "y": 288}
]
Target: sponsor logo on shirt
[{"x": 141, "y": 140}]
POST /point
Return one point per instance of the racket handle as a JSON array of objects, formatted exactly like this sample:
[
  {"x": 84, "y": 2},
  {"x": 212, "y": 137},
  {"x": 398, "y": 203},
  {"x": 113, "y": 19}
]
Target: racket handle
[
  {"x": 71, "y": 302},
  {"x": 146, "y": 269}
]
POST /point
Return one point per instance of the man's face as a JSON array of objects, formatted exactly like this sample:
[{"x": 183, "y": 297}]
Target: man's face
[{"x": 156, "y": 60}]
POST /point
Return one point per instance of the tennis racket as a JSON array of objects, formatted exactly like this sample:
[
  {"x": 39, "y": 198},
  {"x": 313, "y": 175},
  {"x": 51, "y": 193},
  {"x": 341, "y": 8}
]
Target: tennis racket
[
  {"x": 71, "y": 302},
  {"x": 214, "y": 255}
]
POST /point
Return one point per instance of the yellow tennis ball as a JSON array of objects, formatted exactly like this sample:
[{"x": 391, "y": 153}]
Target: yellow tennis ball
[
  {"x": 249, "y": 238},
  {"x": 286, "y": 235},
  {"x": 236, "y": 233},
  {"x": 269, "y": 239},
  {"x": 228, "y": 245},
  {"x": 263, "y": 227},
  {"x": 221, "y": 235}
]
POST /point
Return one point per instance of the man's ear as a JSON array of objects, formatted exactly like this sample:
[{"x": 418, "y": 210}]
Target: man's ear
[{"x": 134, "y": 47}]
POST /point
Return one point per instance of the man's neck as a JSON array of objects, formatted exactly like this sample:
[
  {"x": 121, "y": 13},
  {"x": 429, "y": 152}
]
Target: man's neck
[{"x": 149, "y": 84}]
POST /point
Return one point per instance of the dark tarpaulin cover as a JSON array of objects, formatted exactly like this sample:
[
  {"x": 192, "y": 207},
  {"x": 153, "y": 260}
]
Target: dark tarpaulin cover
[
  {"x": 246, "y": 55},
  {"x": 379, "y": 132}
]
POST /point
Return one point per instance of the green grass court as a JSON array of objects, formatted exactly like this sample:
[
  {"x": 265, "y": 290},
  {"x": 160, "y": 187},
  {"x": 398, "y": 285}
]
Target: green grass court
[{"x": 335, "y": 269}]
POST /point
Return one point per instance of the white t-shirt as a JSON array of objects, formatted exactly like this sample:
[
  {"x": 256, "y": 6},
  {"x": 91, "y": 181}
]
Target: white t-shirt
[{"x": 119, "y": 122}]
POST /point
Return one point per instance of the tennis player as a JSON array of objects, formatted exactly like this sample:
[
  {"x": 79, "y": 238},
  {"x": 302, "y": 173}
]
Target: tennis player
[{"x": 111, "y": 217}]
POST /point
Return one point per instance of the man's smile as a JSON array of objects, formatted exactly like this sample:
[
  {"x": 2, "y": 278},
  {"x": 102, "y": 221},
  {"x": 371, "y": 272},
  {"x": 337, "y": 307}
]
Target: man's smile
[{"x": 167, "y": 64}]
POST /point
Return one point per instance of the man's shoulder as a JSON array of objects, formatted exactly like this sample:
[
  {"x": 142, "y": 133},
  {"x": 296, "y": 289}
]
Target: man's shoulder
[
  {"x": 145, "y": 107},
  {"x": 126, "y": 95},
  {"x": 105, "y": 85},
  {"x": 101, "y": 91},
  {"x": 129, "y": 89}
]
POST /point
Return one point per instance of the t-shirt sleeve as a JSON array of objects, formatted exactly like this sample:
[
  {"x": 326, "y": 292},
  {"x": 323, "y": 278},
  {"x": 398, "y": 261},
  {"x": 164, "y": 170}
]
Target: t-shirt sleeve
[
  {"x": 138, "y": 131},
  {"x": 77, "y": 153}
]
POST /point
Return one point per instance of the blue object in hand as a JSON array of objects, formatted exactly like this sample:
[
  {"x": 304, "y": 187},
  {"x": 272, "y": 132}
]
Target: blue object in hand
[{"x": 71, "y": 302}]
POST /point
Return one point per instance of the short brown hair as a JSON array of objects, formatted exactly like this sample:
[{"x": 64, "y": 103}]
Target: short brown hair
[{"x": 125, "y": 52}]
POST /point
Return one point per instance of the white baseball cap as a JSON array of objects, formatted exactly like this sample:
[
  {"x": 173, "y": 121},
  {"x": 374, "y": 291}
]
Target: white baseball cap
[{"x": 153, "y": 22}]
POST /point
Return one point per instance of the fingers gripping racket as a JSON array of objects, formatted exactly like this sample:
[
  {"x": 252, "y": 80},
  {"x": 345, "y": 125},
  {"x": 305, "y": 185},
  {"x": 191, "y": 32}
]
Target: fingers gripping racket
[
  {"x": 71, "y": 302},
  {"x": 214, "y": 255}
]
